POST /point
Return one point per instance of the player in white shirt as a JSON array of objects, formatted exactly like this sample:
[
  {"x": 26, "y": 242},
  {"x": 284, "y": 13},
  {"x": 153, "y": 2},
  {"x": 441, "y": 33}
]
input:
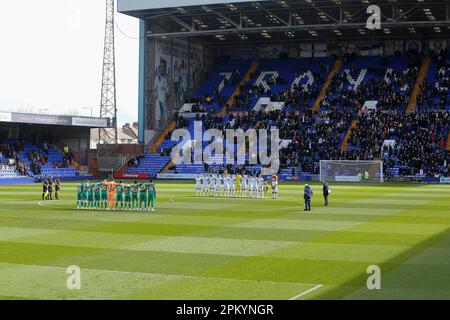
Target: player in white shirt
[
  {"x": 198, "y": 185},
  {"x": 251, "y": 186},
  {"x": 244, "y": 186},
  {"x": 227, "y": 185},
  {"x": 260, "y": 186},
  {"x": 212, "y": 185},
  {"x": 257, "y": 187},
  {"x": 224, "y": 184},
  {"x": 218, "y": 185},
  {"x": 274, "y": 185},
  {"x": 205, "y": 184}
]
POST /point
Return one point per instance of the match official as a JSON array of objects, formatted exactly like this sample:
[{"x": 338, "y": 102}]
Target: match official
[
  {"x": 326, "y": 192},
  {"x": 307, "y": 195}
]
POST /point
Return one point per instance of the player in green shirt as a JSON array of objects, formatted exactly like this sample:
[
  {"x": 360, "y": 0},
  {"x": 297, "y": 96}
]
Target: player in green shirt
[
  {"x": 90, "y": 196},
  {"x": 104, "y": 195},
  {"x": 84, "y": 194},
  {"x": 143, "y": 196},
  {"x": 96, "y": 188},
  {"x": 127, "y": 191},
  {"x": 79, "y": 196},
  {"x": 119, "y": 195},
  {"x": 151, "y": 195},
  {"x": 134, "y": 195}
]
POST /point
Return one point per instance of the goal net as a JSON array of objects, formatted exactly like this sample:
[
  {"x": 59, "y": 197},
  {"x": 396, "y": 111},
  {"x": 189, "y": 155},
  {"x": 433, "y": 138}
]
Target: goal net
[{"x": 351, "y": 170}]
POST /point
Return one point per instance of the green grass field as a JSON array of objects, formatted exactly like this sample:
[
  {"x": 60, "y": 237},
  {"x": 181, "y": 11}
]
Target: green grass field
[{"x": 202, "y": 248}]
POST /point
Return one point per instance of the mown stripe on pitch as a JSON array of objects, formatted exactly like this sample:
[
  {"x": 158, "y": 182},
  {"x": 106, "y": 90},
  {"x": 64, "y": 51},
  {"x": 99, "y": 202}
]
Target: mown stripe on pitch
[
  {"x": 167, "y": 229},
  {"x": 326, "y": 225},
  {"x": 50, "y": 282},
  {"x": 236, "y": 247},
  {"x": 218, "y": 266},
  {"x": 109, "y": 259},
  {"x": 401, "y": 228},
  {"x": 16, "y": 233}
]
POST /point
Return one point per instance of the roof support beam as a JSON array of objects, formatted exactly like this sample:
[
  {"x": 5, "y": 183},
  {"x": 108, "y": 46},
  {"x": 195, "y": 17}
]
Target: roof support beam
[
  {"x": 182, "y": 23},
  {"x": 403, "y": 15},
  {"x": 273, "y": 14},
  {"x": 312, "y": 5},
  {"x": 224, "y": 17},
  {"x": 303, "y": 27}
]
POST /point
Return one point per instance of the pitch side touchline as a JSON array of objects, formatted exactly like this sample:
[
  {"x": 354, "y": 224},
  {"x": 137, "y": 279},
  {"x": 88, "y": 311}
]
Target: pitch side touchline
[{"x": 306, "y": 292}]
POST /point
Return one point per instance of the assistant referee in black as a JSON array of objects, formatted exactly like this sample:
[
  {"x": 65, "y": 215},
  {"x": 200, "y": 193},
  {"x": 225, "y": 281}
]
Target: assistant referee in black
[{"x": 326, "y": 192}]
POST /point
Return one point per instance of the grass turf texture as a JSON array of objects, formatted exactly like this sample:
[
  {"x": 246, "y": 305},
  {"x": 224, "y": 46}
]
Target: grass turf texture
[{"x": 219, "y": 248}]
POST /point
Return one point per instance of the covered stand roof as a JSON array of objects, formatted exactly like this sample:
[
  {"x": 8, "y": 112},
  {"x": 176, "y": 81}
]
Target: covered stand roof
[{"x": 222, "y": 24}]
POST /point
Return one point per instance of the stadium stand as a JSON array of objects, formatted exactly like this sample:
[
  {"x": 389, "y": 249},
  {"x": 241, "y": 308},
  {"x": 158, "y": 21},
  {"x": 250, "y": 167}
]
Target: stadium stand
[
  {"x": 293, "y": 82},
  {"x": 220, "y": 85},
  {"x": 386, "y": 80},
  {"x": 149, "y": 163},
  {"x": 344, "y": 127},
  {"x": 23, "y": 158},
  {"x": 417, "y": 147}
]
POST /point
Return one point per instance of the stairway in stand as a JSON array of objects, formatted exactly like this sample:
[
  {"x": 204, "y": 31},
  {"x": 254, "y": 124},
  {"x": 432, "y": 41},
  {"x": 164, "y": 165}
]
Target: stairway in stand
[
  {"x": 323, "y": 92},
  {"x": 157, "y": 142},
  {"x": 412, "y": 104},
  {"x": 236, "y": 92},
  {"x": 448, "y": 143},
  {"x": 344, "y": 144}
]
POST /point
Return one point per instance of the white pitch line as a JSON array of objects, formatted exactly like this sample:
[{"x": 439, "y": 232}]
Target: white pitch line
[
  {"x": 174, "y": 276},
  {"x": 306, "y": 292}
]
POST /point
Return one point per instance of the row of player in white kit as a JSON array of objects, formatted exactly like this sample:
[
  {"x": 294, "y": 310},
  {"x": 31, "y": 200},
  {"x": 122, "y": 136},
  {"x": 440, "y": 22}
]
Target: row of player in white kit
[{"x": 235, "y": 185}]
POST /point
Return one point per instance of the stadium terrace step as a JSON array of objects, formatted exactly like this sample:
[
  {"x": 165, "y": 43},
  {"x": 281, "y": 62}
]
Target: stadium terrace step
[
  {"x": 448, "y": 142},
  {"x": 75, "y": 164},
  {"x": 171, "y": 126},
  {"x": 323, "y": 92},
  {"x": 150, "y": 164},
  {"x": 425, "y": 66},
  {"x": 344, "y": 144},
  {"x": 236, "y": 92},
  {"x": 168, "y": 166}
]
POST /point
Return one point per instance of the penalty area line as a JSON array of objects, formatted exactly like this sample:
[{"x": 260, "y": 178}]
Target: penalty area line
[{"x": 306, "y": 292}]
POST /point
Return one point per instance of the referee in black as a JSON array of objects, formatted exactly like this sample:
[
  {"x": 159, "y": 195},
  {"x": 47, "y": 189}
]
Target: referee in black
[
  {"x": 326, "y": 192},
  {"x": 57, "y": 188},
  {"x": 44, "y": 188}
]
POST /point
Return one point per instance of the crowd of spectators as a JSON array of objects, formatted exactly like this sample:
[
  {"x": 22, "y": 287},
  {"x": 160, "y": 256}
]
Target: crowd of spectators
[
  {"x": 389, "y": 87},
  {"x": 10, "y": 151},
  {"x": 296, "y": 96},
  {"x": 436, "y": 95},
  {"x": 38, "y": 159},
  {"x": 315, "y": 138},
  {"x": 207, "y": 101},
  {"x": 312, "y": 137},
  {"x": 420, "y": 141},
  {"x": 134, "y": 162},
  {"x": 419, "y": 148},
  {"x": 420, "y": 138},
  {"x": 10, "y": 157}
]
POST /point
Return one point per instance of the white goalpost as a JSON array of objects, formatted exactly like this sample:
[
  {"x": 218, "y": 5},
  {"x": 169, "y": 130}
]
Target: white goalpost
[{"x": 351, "y": 170}]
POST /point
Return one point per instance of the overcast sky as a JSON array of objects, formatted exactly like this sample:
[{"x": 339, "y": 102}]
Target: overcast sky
[{"x": 51, "y": 57}]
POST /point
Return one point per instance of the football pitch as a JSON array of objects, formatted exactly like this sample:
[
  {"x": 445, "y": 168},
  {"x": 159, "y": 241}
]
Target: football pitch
[{"x": 229, "y": 248}]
